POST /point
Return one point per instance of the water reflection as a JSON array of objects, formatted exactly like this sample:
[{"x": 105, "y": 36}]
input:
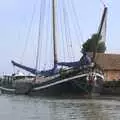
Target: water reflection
[
  {"x": 36, "y": 108},
  {"x": 77, "y": 110},
  {"x": 85, "y": 110}
]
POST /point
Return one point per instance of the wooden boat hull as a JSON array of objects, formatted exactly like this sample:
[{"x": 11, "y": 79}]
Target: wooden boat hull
[
  {"x": 73, "y": 86},
  {"x": 77, "y": 85}
]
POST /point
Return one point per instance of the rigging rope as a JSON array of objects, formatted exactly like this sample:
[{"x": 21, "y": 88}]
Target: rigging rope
[
  {"x": 64, "y": 16},
  {"x": 47, "y": 36},
  {"x": 39, "y": 47},
  {"x": 61, "y": 31},
  {"x": 69, "y": 34},
  {"x": 77, "y": 25},
  {"x": 29, "y": 31}
]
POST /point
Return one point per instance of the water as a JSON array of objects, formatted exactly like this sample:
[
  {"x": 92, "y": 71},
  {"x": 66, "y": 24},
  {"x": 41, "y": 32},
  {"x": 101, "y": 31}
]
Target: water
[{"x": 37, "y": 108}]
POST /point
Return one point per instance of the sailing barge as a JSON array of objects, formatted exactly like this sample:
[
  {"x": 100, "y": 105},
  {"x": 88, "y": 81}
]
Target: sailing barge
[{"x": 81, "y": 77}]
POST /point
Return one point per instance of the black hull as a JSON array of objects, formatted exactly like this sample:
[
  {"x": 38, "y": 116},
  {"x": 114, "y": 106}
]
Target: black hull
[
  {"x": 73, "y": 87},
  {"x": 76, "y": 87}
]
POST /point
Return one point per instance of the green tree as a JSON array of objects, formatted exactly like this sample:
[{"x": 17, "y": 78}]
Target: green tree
[{"x": 94, "y": 43}]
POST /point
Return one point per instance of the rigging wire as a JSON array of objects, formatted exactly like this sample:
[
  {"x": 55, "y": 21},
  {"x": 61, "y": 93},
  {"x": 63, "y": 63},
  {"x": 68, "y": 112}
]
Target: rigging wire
[
  {"x": 61, "y": 31},
  {"x": 77, "y": 25},
  {"x": 29, "y": 31},
  {"x": 42, "y": 13},
  {"x": 66, "y": 32},
  {"x": 50, "y": 52},
  {"x": 47, "y": 36},
  {"x": 39, "y": 47},
  {"x": 69, "y": 34},
  {"x": 71, "y": 45},
  {"x": 64, "y": 17}
]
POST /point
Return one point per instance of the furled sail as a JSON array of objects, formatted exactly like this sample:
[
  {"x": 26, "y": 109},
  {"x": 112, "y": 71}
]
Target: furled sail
[
  {"x": 29, "y": 69},
  {"x": 69, "y": 64},
  {"x": 85, "y": 60},
  {"x": 34, "y": 71}
]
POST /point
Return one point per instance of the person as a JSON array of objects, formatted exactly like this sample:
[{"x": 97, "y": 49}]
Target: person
[{"x": 85, "y": 59}]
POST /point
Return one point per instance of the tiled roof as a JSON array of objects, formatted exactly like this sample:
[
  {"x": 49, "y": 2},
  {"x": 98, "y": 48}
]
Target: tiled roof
[{"x": 108, "y": 61}]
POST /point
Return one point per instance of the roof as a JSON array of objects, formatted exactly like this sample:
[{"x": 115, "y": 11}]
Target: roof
[{"x": 108, "y": 61}]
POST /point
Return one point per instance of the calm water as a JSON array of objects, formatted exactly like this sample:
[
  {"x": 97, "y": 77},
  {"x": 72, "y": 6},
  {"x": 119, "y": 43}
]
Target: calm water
[{"x": 36, "y": 108}]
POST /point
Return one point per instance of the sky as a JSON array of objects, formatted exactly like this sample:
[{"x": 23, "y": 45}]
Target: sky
[{"x": 15, "y": 28}]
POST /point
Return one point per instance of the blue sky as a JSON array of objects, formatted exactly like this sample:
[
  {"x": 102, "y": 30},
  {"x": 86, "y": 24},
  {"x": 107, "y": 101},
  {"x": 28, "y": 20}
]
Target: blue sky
[{"x": 15, "y": 16}]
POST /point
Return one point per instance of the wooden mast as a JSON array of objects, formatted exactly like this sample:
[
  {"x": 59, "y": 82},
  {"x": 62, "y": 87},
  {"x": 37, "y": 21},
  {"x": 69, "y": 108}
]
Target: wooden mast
[
  {"x": 54, "y": 31},
  {"x": 99, "y": 32}
]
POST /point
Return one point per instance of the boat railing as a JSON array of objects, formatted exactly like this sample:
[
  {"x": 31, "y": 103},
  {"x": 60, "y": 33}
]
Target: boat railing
[
  {"x": 12, "y": 79},
  {"x": 7, "y": 81}
]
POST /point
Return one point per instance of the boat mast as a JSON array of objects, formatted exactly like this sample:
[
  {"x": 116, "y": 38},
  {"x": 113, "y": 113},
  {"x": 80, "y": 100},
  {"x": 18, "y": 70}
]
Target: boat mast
[
  {"x": 99, "y": 32},
  {"x": 54, "y": 31}
]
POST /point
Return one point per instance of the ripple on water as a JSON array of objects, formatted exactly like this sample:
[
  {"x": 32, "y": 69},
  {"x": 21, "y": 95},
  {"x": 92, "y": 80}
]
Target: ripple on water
[{"x": 37, "y": 108}]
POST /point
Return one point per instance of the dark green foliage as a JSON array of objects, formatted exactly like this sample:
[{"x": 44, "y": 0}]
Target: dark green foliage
[{"x": 93, "y": 43}]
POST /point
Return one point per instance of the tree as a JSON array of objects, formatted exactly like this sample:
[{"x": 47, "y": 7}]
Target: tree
[{"x": 94, "y": 43}]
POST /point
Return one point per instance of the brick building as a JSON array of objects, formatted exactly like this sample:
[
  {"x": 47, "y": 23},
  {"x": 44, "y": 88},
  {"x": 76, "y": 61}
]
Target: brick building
[{"x": 110, "y": 63}]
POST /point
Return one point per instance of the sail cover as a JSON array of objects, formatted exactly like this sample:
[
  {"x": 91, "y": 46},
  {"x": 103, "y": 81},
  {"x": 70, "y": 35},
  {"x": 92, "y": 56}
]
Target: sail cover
[
  {"x": 34, "y": 71},
  {"x": 29, "y": 69},
  {"x": 69, "y": 64},
  {"x": 85, "y": 60}
]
